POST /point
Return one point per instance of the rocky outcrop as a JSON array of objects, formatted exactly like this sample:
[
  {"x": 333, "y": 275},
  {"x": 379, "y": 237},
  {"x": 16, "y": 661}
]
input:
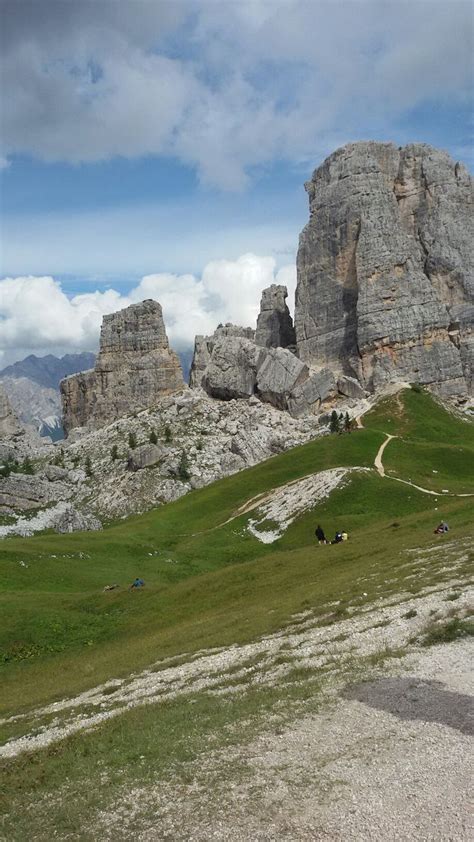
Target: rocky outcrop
[
  {"x": 145, "y": 456},
  {"x": 21, "y": 492},
  {"x": 232, "y": 368},
  {"x": 204, "y": 346},
  {"x": 385, "y": 265},
  {"x": 134, "y": 368},
  {"x": 63, "y": 517},
  {"x": 279, "y": 374},
  {"x": 9, "y": 424},
  {"x": 274, "y": 324},
  {"x": 307, "y": 397}
]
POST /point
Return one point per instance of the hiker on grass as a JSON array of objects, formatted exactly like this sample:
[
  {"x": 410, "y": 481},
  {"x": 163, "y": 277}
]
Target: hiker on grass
[
  {"x": 137, "y": 583},
  {"x": 319, "y": 532},
  {"x": 442, "y": 528},
  {"x": 337, "y": 538}
]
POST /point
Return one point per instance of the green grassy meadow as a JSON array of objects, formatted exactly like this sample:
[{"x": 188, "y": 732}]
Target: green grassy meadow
[{"x": 208, "y": 584}]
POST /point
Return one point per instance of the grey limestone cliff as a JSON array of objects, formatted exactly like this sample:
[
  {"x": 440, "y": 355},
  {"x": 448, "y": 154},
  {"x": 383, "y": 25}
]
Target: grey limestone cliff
[
  {"x": 274, "y": 324},
  {"x": 385, "y": 266},
  {"x": 9, "y": 424},
  {"x": 134, "y": 368}
]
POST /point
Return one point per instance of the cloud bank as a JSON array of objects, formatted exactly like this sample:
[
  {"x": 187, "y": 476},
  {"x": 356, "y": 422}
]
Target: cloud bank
[
  {"x": 37, "y": 316},
  {"x": 222, "y": 87}
]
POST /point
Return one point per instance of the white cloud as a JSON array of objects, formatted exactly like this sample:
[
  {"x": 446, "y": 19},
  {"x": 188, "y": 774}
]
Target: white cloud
[
  {"x": 37, "y": 316},
  {"x": 225, "y": 87}
]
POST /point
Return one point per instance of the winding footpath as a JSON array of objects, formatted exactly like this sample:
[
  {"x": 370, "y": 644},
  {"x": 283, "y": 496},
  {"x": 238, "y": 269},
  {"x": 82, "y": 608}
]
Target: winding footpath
[{"x": 378, "y": 464}]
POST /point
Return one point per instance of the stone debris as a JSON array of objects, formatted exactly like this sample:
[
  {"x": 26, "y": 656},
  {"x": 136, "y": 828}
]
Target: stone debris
[
  {"x": 283, "y": 505},
  {"x": 63, "y": 517}
]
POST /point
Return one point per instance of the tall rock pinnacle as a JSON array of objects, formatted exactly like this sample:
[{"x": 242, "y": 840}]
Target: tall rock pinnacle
[
  {"x": 386, "y": 268},
  {"x": 134, "y": 368},
  {"x": 274, "y": 324}
]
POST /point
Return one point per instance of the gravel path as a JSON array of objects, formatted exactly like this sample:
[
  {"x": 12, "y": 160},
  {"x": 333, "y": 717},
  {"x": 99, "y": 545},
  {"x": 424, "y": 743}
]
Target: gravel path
[{"x": 387, "y": 760}]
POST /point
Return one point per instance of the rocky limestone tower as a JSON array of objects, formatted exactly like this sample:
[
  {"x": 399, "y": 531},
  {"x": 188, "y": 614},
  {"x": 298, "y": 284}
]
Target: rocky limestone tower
[
  {"x": 274, "y": 324},
  {"x": 135, "y": 367},
  {"x": 9, "y": 424},
  {"x": 385, "y": 267}
]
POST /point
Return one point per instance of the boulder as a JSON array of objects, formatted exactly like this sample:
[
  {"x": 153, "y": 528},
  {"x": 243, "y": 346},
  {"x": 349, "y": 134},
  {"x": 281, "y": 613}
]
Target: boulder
[
  {"x": 232, "y": 369},
  {"x": 204, "y": 346},
  {"x": 274, "y": 324},
  {"x": 307, "y": 397},
  {"x": 146, "y": 456},
  {"x": 350, "y": 387},
  {"x": 279, "y": 374},
  {"x": 385, "y": 268}
]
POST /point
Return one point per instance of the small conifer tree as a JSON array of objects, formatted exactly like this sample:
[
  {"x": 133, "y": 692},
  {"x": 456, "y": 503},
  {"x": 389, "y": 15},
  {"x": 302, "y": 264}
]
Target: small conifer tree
[
  {"x": 334, "y": 425},
  {"x": 114, "y": 452},
  {"x": 347, "y": 423},
  {"x": 88, "y": 467},
  {"x": 168, "y": 434},
  {"x": 153, "y": 437},
  {"x": 132, "y": 440},
  {"x": 183, "y": 468}
]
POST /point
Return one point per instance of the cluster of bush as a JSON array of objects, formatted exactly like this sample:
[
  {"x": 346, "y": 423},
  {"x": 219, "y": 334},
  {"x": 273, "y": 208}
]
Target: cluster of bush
[
  {"x": 340, "y": 423},
  {"x": 13, "y": 466}
]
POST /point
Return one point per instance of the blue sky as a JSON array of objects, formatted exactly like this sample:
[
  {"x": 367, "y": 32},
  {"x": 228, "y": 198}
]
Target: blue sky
[{"x": 155, "y": 138}]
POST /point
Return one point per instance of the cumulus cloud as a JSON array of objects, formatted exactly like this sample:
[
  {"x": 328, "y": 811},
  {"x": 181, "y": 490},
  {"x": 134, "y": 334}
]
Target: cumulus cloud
[
  {"x": 37, "y": 316},
  {"x": 252, "y": 82}
]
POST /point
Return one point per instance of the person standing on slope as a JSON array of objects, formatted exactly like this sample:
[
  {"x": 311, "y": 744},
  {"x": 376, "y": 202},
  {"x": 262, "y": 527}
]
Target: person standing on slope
[{"x": 319, "y": 532}]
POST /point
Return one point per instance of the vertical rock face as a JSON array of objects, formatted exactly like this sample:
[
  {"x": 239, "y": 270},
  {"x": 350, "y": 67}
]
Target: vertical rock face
[
  {"x": 274, "y": 324},
  {"x": 386, "y": 268},
  {"x": 134, "y": 368},
  {"x": 9, "y": 424}
]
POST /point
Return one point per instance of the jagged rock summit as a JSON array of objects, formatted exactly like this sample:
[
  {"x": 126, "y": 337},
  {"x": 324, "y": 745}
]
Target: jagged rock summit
[
  {"x": 385, "y": 266},
  {"x": 134, "y": 368}
]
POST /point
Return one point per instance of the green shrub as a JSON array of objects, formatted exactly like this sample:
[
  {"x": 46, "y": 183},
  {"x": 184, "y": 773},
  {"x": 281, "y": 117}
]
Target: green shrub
[
  {"x": 168, "y": 434},
  {"x": 334, "y": 425},
  {"x": 132, "y": 440},
  {"x": 415, "y": 387},
  {"x": 153, "y": 437},
  {"x": 88, "y": 467},
  {"x": 114, "y": 452},
  {"x": 183, "y": 468}
]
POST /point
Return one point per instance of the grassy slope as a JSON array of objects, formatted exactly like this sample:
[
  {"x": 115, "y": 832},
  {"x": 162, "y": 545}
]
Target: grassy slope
[
  {"x": 222, "y": 586},
  {"x": 208, "y": 587}
]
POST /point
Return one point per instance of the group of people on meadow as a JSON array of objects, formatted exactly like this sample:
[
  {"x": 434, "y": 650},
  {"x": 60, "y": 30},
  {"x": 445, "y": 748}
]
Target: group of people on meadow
[{"x": 338, "y": 538}]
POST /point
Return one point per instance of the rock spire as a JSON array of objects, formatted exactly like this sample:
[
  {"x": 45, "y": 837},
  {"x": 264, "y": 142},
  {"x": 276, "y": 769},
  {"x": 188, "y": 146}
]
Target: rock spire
[
  {"x": 134, "y": 368},
  {"x": 274, "y": 324}
]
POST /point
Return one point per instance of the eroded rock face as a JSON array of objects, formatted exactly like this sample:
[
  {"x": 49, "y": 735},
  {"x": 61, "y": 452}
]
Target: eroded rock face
[
  {"x": 9, "y": 424},
  {"x": 134, "y": 368},
  {"x": 278, "y": 375},
  {"x": 274, "y": 324},
  {"x": 204, "y": 346},
  {"x": 385, "y": 268},
  {"x": 232, "y": 368}
]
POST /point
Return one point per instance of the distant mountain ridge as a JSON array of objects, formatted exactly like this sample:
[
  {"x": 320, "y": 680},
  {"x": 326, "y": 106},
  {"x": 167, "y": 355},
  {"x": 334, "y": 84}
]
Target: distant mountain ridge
[{"x": 48, "y": 371}]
